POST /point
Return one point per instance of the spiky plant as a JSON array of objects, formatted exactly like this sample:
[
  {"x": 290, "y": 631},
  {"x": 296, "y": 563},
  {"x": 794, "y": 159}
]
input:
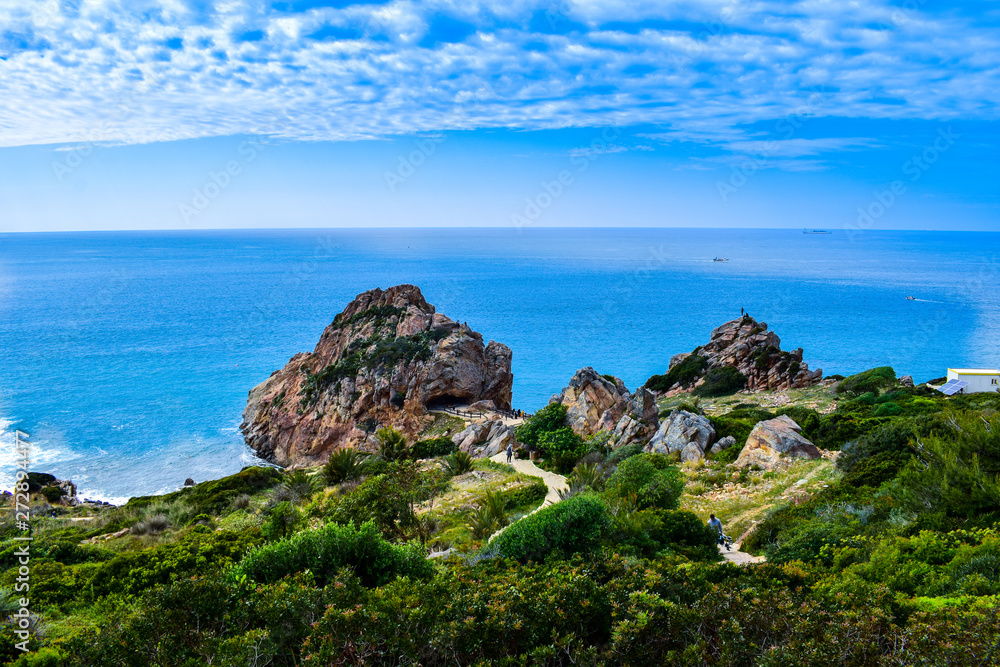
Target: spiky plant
[
  {"x": 299, "y": 485},
  {"x": 391, "y": 443},
  {"x": 495, "y": 503},
  {"x": 458, "y": 463},
  {"x": 343, "y": 465},
  {"x": 480, "y": 523},
  {"x": 591, "y": 475}
]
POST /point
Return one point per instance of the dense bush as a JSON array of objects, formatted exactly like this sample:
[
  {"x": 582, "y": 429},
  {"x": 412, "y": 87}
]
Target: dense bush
[
  {"x": 684, "y": 373},
  {"x": 873, "y": 380},
  {"x": 431, "y": 448},
  {"x": 570, "y": 526},
  {"x": 721, "y": 381},
  {"x": 199, "y": 552},
  {"x": 527, "y": 495},
  {"x": 385, "y": 499},
  {"x": 324, "y": 551},
  {"x": 563, "y": 448},
  {"x": 550, "y": 418},
  {"x": 648, "y": 481}
]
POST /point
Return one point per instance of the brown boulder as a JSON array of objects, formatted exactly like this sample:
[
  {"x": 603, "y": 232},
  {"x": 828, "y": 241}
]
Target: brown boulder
[
  {"x": 774, "y": 440},
  {"x": 384, "y": 360},
  {"x": 596, "y": 403}
]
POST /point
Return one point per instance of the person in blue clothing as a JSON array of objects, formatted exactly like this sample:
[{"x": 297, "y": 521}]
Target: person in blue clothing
[
  {"x": 510, "y": 452},
  {"x": 716, "y": 525}
]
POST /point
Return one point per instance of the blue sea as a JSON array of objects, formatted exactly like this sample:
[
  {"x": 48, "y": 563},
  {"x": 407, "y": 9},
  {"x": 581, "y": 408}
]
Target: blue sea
[{"x": 127, "y": 357}]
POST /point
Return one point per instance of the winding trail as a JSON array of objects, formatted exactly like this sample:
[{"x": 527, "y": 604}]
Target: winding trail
[{"x": 555, "y": 483}]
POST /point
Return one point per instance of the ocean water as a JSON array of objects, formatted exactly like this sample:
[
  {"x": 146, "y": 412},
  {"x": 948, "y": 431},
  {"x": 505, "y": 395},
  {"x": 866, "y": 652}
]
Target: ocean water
[{"x": 128, "y": 356}]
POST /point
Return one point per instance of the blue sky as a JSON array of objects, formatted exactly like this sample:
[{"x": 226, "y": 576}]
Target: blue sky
[{"x": 134, "y": 114}]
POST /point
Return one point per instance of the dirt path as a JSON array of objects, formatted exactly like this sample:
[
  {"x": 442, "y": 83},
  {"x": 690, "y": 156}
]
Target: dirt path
[
  {"x": 554, "y": 482},
  {"x": 740, "y": 557}
]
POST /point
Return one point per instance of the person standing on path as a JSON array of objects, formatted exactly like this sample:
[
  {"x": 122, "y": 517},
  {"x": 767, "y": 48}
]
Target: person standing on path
[
  {"x": 510, "y": 452},
  {"x": 716, "y": 525}
]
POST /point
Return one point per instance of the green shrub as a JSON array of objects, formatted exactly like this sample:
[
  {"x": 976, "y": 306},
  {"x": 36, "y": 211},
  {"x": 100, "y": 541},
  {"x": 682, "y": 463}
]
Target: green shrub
[
  {"x": 550, "y": 418},
  {"x": 721, "y": 381},
  {"x": 684, "y": 532},
  {"x": 431, "y": 448},
  {"x": 647, "y": 481},
  {"x": 889, "y": 409},
  {"x": 685, "y": 373},
  {"x": 873, "y": 380},
  {"x": 728, "y": 455},
  {"x": 199, "y": 552},
  {"x": 563, "y": 447},
  {"x": 281, "y": 521},
  {"x": 627, "y": 451},
  {"x": 324, "y": 551},
  {"x": 527, "y": 495},
  {"x": 570, "y": 526},
  {"x": 53, "y": 494},
  {"x": 385, "y": 499}
]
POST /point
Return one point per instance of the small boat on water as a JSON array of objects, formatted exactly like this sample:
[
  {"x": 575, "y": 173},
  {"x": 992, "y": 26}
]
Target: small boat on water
[
  {"x": 910, "y": 298},
  {"x": 721, "y": 259},
  {"x": 816, "y": 231}
]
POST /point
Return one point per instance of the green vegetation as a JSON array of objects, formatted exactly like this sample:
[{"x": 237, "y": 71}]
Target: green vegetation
[
  {"x": 432, "y": 447},
  {"x": 889, "y": 555},
  {"x": 686, "y": 373},
  {"x": 368, "y": 354},
  {"x": 721, "y": 381}
]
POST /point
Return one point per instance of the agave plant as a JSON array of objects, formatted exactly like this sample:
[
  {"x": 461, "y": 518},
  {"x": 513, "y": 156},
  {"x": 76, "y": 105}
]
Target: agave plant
[
  {"x": 344, "y": 465},
  {"x": 590, "y": 475},
  {"x": 458, "y": 463},
  {"x": 495, "y": 503},
  {"x": 299, "y": 485},
  {"x": 391, "y": 443},
  {"x": 480, "y": 523}
]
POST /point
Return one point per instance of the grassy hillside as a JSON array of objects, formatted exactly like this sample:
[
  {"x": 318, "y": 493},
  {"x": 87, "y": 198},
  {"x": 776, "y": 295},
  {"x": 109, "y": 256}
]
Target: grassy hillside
[{"x": 886, "y": 552}]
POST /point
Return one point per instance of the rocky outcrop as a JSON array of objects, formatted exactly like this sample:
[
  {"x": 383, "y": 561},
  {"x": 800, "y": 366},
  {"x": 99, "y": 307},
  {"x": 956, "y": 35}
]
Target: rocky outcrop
[
  {"x": 596, "y": 403},
  {"x": 384, "y": 360},
  {"x": 774, "y": 440},
  {"x": 485, "y": 439},
  {"x": 747, "y": 345},
  {"x": 723, "y": 444},
  {"x": 683, "y": 432}
]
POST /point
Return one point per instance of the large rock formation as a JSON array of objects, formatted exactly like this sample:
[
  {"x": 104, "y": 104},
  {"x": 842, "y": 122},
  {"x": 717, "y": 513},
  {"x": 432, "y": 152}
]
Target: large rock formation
[
  {"x": 385, "y": 360},
  {"x": 485, "y": 439},
  {"x": 773, "y": 440},
  {"x": 747, "y": 345},
  {"x": 683, "y": 432},
  {"x": 596, "y": 402}
]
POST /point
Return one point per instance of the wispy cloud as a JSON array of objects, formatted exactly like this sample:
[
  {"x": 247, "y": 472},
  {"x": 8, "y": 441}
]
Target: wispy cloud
[{"x": 122, "y": 71}]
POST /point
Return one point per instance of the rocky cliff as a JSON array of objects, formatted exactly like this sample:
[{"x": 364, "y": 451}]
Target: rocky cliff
[
  {"x": 747, "y": 345},
  {"x": 597, "y": 403},
  {"x": 385, "y": 359}
]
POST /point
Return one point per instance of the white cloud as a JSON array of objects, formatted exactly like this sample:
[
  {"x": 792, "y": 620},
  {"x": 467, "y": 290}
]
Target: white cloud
[{"x": 703, "y": 69}]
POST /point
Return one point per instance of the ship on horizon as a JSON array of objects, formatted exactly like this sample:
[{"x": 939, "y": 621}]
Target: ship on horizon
[{"x": 816, "y": 231}]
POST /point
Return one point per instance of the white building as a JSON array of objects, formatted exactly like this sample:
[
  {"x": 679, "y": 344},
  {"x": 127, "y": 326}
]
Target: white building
[{"x": 978, "y": 379}]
